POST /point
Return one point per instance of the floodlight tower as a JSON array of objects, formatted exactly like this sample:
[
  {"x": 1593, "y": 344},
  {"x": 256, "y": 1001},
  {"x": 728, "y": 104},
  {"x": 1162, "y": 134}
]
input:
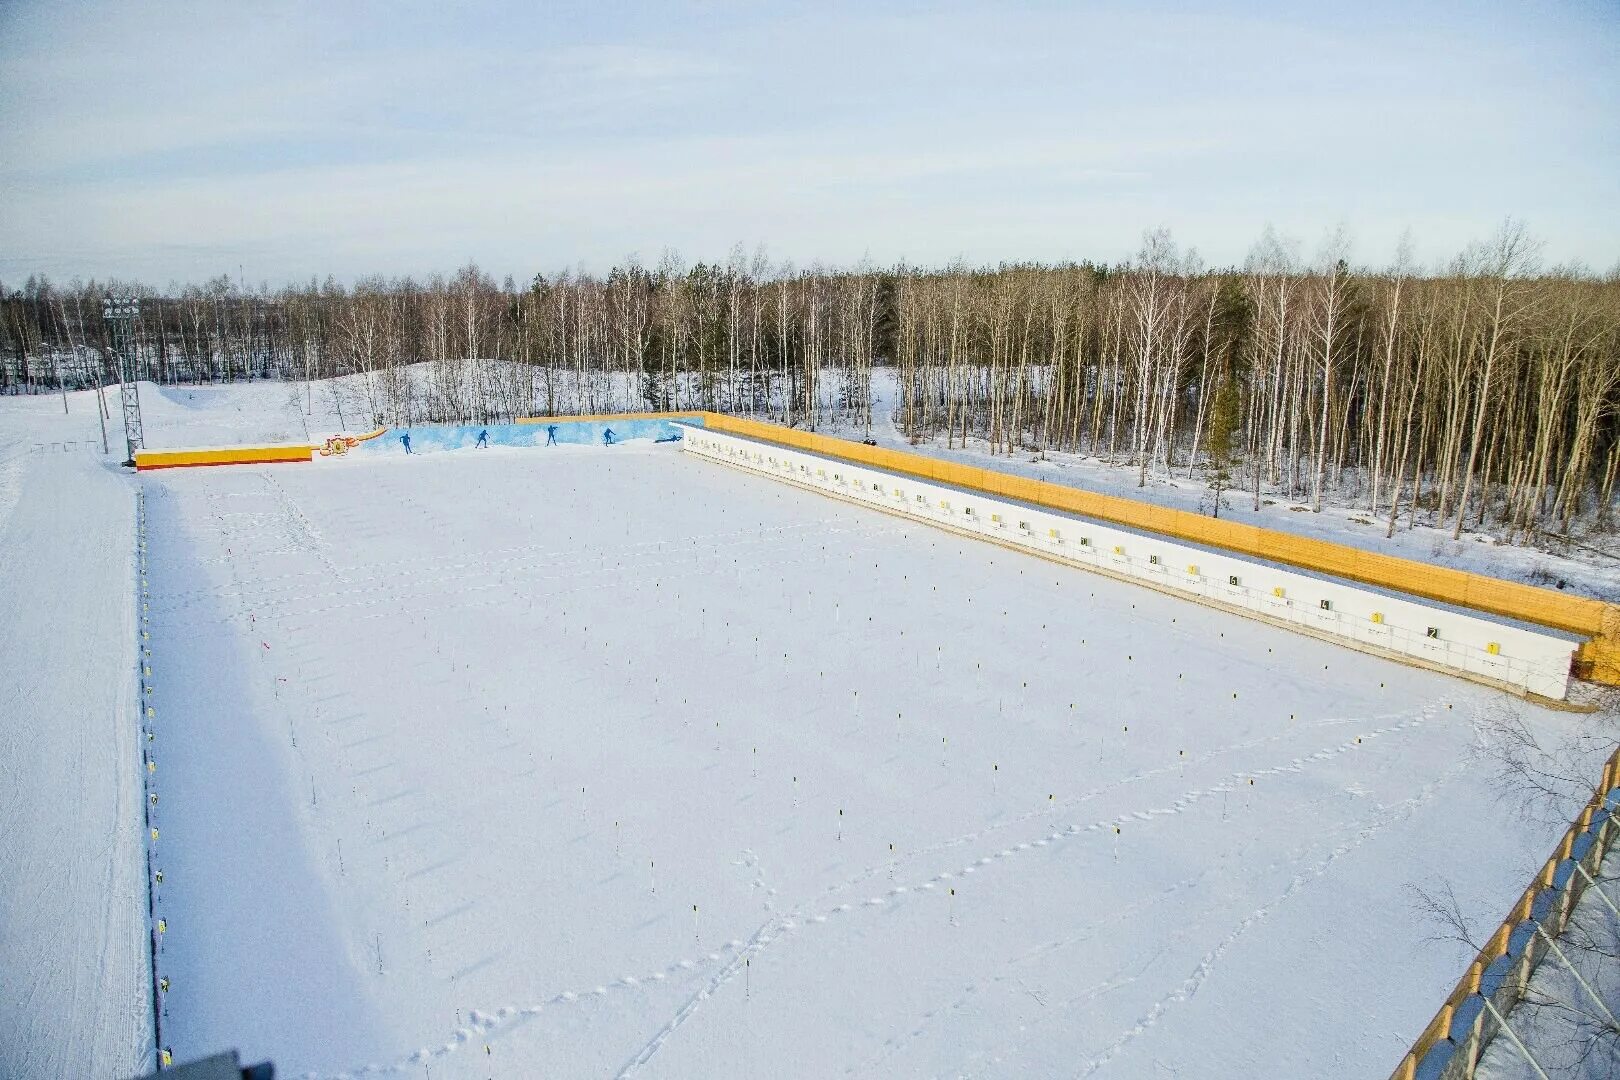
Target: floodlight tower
[{"x": 120, "y": 315}]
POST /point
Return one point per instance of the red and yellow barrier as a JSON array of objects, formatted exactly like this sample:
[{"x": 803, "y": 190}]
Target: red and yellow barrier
[{"x": 222, "y": 455}]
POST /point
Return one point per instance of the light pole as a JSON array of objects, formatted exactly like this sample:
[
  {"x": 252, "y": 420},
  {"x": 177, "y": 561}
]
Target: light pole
[{"x": 120, "y": 313}]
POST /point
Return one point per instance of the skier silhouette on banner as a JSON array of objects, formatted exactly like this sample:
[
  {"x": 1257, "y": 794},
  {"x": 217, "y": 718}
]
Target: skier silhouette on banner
[
  {"x": 406, "y": 439},
  {"x": 551, "y": 434},
  {"x": 608, "y": 437},
  {"x": 483, "y": 440}
]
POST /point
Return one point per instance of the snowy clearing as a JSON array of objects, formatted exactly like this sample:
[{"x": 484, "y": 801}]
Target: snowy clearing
[
  {"x": 453, "y": 747},
  {"x": 75, "y": 991},
  {"x": 450, "y": 747}
]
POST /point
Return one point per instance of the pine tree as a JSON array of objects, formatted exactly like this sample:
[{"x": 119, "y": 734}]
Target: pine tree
[{"x": 1223, "y": 428}]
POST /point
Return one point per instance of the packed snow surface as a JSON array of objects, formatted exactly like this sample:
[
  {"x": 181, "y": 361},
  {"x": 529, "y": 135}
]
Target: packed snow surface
[
  {"x": 75, "y": 990},
  {"x": 610, "y": 761},
  {"x": 607, "y": 761}
]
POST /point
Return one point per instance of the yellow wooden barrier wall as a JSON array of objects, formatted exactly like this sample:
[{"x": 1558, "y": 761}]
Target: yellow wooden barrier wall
[
  {"x": 225, "y": 455},
  {"x": 1597, "y": 660}
]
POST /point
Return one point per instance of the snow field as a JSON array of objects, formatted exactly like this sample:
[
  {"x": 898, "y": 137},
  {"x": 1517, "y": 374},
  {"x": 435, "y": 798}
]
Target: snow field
[
  {"x": 75, "y": 989},
  {"x": 609, "y": 762}
]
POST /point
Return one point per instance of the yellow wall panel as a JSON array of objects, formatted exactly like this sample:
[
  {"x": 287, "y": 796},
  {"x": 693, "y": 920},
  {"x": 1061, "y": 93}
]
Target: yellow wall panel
[
  {"x": 1598, "y": 659},
  {"x": 227, "y": 455}
]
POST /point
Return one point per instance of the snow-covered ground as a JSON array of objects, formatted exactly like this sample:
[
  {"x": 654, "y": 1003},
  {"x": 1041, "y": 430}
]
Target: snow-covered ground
[
  {"x": 240, "y": 413},
  {"x": 74, "y": 992},
  {"x": 594, "y": 758},
  {"x": 588, "y": 761}
]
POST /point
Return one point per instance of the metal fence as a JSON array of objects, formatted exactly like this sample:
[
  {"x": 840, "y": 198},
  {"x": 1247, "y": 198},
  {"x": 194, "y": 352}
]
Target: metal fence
[{"x": 1475, "y": 1011}]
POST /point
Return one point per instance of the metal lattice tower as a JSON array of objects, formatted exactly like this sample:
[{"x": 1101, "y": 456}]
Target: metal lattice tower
[{"x": 120, "y": 315}]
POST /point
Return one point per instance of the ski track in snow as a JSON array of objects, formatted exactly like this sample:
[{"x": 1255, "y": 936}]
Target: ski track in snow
[{"x": 731, "y": 957}]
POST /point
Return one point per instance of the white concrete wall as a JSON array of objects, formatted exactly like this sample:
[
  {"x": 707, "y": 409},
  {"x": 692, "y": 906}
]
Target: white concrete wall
[{"x": 1517, "y": 655}]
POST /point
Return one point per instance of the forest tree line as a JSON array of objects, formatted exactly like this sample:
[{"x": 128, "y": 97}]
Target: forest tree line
[{"x": 1480, "y": 394}]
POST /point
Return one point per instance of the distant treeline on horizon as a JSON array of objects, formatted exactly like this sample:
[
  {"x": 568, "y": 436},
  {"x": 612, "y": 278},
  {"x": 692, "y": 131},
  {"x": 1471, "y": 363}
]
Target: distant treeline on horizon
[{"x": 1484, "y": 394}]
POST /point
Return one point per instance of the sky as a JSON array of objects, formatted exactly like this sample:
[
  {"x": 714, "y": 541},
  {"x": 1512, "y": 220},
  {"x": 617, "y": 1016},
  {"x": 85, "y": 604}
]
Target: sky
[{"x": 275, "y": 142}]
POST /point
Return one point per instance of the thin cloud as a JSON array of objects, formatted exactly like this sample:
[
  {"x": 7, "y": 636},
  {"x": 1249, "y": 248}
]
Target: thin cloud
[{"x": 309, "y": 139}]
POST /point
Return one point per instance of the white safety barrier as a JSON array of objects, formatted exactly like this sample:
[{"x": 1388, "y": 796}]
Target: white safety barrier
[{"x": 1501, "y": 652}]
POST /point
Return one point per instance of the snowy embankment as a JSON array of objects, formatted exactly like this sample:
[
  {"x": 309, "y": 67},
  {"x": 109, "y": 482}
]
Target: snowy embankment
[
  {"x": 73, "y": 905},
  {"x": 1587, "y": 572}
]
